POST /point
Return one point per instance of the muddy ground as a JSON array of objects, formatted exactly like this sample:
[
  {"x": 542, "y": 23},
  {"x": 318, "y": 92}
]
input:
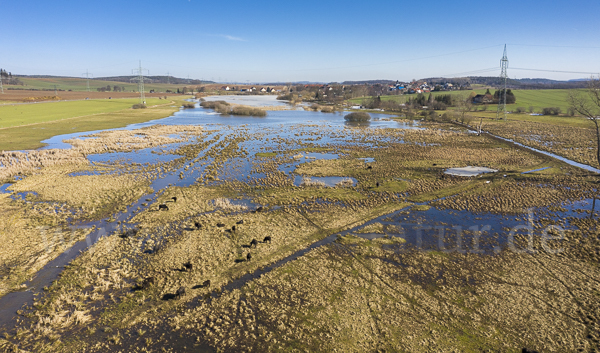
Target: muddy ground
[{"x": 180, "y": 279}]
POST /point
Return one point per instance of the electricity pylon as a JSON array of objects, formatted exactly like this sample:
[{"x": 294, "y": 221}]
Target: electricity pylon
[
  {"x": 140, "y": 73},
  {"x": 503, "y": 76},
  {"x": 87, "y": 75}
]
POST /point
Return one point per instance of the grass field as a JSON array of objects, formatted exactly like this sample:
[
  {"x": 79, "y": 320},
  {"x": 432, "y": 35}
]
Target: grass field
[
  {"x": 537, "y": 99},
  {"x": 26, "y": 114},
  {"x": 575, "y": 121},
  {"x": 25, "y": 126}
]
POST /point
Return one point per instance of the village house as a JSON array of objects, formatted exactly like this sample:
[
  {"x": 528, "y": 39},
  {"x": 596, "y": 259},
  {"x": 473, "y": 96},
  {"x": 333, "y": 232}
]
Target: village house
[{"x": 483, "y": 99}]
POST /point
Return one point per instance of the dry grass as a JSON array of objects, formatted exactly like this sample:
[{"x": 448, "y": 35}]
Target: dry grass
[
  {"x": 129, "y": 140},
  {"x": 355, "y": 295},
  {"x": 31, "y": 238},
  {"x": 307, "y": 182},
  {"x": 575, "y": 143}
]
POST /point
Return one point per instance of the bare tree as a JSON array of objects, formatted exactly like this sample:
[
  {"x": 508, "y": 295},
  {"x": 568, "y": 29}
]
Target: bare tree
[
  {"x": 587, "y": 104},
  {"x": 464, "y": 104}
]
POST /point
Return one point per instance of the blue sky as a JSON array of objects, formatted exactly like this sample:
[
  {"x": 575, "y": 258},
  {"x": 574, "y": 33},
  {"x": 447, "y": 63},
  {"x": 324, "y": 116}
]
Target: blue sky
[{"x": 259, "y": 41}]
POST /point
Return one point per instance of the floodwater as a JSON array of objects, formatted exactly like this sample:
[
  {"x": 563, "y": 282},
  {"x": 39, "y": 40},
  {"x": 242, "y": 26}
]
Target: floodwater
[
  {"x": 563, "y": 159},
  {"x": 326, "y": 130}
]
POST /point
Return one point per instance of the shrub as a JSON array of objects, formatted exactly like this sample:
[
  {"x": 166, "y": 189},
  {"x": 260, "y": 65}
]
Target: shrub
[
  {"x": 327, "y": 109},
  {"x": 139, "y": 106},
  {"x": 437, "y": 105},
  {"x": 249, "y": 111},
  {"x": 551, "y": 111},
  {"x": 432, "y": 115},
  {"x": 520, "y": 109},
  {"x": 227, "y": 109},
  {"x": 213, "y": 104},
  {"x": 189, "y": 105},
  {"x": 357, "y": 116},
  {"x": 390, "y": 105}
]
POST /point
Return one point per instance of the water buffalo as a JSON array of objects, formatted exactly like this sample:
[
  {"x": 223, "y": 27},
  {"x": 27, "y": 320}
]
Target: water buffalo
[
  {"x": 241, "y": 221},
  {"x": 174, "y": 198},
  {"x": 254, "y": 243},
  {"x": 197, "y": 225},
  {"x": 525, "y": 350},
  {"x": 162, "y": 206},
  {"x": 188, "y": 266},
  {"x": 206, "y": 283},
  {"x": 267, "y": 239},
  {"x": 220, "y": 225},
  {"x": 370, "y": 167},
  {"x": 180, "y": 292},
  {"x": 377, "y": 184},
  {"x": 248, "y": 257},
  {"x": 260, "y": 209},
  {"x": 147, "y": 282},
  {"x": 128, "y": 233},
  {"x": 233, "y": 228}
]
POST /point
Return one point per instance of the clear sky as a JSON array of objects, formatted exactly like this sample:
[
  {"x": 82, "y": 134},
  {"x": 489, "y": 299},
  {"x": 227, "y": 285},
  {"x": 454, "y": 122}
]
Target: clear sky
[{"x": 325, "y": 41}]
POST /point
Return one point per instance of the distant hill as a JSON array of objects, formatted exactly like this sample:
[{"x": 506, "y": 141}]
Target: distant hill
[
  {"x": 128, "y": 79},
  {"x": 369, "y": 82},
  {"x": 527, "y": 83},
  {"x": 155, "y": 79}
]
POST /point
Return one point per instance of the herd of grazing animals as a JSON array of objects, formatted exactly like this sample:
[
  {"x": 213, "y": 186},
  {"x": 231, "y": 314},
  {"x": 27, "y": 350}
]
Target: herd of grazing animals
[{"x": 188, "y": 266}]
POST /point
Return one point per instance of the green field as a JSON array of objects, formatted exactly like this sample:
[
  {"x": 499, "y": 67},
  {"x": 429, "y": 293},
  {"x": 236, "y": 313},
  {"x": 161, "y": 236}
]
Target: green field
[
  {"x": 26, "y": 114},
  {"x": 26, "y": 125},
  {"x": 79, "y": 84},
  {"x": 537, "y": 99}
]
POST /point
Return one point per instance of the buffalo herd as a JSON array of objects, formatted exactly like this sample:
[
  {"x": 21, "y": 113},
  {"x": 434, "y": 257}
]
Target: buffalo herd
[{"x": 188, "y": 266}]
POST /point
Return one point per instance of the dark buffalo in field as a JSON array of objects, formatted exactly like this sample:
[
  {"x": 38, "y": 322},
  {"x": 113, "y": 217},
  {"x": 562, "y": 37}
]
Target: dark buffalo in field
[
  {"x": 180, "y": 292},
  {"x": 147, "y": 283},
  {"x": 128, "y": 233}
]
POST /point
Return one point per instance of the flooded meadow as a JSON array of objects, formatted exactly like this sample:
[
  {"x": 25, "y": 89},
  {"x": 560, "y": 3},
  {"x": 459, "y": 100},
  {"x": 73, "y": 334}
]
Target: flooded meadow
[{"x": 296, "y": 231}]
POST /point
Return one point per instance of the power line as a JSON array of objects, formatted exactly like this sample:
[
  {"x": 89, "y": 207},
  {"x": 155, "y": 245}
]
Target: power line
[
  {"x": 140, "y": 72},
  {"x": 470, "y": 72},
  {"x": 504, "y": 76},
  {"x": 353, "y": 66},
  {"x": 556, "y": 46},
  {"x": 87, "y": 75},
  {"x": 559, "y": 71}
]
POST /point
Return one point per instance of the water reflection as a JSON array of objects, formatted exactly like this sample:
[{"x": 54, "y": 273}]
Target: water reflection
[{"x": 357, "y": 124}]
